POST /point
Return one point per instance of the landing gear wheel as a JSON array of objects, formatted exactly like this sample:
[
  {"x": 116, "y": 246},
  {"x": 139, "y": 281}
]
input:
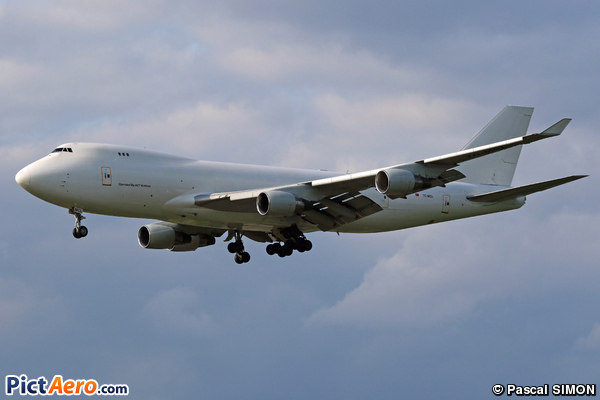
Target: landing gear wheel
[
  {"x": 273, "y": 248},
  {"x": 237, "y": 247},
  {"x": 83, "y": 231},
  {"x": 289, "y": 247},
  {"x": 245, "y": 257},
  {"x": 294, "y": 240},
  {"x": 307, "y": 245},
  {"x": 232, "y": 247},
  {"x": 79, "y": 231},
  {"x": 301, "y": 245},
  {"x": 241, "y": 258}
]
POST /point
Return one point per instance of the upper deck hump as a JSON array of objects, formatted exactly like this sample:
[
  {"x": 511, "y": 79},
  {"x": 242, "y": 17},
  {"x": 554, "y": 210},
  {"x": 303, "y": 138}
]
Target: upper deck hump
[{"x": 102, "y": 150}]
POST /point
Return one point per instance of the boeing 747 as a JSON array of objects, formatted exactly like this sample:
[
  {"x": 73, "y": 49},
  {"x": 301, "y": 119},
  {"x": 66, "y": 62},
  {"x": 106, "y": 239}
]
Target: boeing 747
[{"x": 198, "y": 201}]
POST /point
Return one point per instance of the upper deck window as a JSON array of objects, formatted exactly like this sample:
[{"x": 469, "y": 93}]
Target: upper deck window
[{"x": 62, "y": 149}]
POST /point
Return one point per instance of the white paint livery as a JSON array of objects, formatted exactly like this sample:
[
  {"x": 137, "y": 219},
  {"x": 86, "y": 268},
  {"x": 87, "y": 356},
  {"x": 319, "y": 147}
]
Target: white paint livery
[{"x": 197, "y": 201}]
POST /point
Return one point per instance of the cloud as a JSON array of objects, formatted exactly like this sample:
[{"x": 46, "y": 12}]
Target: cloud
[
  {"x": 330, "y": 64},
  {"x": 23, "y": 305},
  {"x": 317, "y": 85},
  {"x": 375, "y": 131},
  {"x": 202, "y": 127},
  {"x": 14, "y": 305},
  {"x": 592, "y": 340},
  {"x": 421, "y": 285},
  {"x": 445, "y": 274},
  {"x": 176, "y": 312},
  {"x": 68, "y": 15}
]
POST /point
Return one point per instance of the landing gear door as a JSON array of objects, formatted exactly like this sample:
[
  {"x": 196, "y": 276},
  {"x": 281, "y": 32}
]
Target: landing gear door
[
  {"x": 106, "y": 176},
  {"x": 446, "y": 204}
]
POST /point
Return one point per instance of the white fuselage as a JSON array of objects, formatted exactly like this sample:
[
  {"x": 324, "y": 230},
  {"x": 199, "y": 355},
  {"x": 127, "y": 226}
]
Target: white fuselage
[{"x": 127, "y": 182}]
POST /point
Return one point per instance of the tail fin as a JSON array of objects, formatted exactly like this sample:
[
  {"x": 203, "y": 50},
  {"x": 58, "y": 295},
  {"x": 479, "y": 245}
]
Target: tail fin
[{"x": 498, "y": 168}]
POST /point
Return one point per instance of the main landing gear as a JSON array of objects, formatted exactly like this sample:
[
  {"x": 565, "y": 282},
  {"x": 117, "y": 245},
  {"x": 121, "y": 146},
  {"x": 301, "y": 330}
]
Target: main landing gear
[
  {"x": 288, "y": 240},
  {"x": 295, "y": 240},
  {"x": 79, "y": 231},
  {"x": 237, "y": 247}
]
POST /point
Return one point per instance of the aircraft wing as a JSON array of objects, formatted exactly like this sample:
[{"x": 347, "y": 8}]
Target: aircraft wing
[
  {"x": 327, "y": 209},
  {"x": 331, "y": 202},
  {"x": 440, "y": 168}
]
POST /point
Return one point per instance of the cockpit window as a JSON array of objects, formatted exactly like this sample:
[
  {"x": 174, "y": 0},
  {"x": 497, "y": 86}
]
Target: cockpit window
[{"x": 62, "y": 149}]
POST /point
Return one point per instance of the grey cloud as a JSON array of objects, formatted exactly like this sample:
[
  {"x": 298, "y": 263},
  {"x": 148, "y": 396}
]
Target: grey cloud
[
  {"x": 591, "y": 341},
  {"x": 445, "y": 274},
  {"x": 501, "y": 298},
  {"x": 176, "y": 311}
]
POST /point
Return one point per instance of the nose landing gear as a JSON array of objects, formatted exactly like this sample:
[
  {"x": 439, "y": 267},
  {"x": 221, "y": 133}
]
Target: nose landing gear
[{"x": 79, "y": 231}]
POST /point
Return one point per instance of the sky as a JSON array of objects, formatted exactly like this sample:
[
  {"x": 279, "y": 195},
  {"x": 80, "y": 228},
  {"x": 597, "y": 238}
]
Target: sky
[{"x": 442, "y": 311}]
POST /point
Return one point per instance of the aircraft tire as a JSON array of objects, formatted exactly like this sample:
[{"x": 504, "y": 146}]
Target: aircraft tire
[
  {"x": 307, "y": 245},
  {"x": 301, "y": 245},
  {"x": 83, "y": 231},
  {"x": 231, "y": 247},
  {"x": 245, "y": 257}
]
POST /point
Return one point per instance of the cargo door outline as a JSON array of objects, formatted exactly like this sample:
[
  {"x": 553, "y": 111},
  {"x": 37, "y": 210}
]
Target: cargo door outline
[
  {"x": 106, "y": 176},
  {"x": 446, "y": 204}
]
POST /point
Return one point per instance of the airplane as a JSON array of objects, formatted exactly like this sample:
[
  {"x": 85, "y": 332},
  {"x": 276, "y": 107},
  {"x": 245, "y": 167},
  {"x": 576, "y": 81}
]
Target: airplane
[{"x": 197, "y": 201}]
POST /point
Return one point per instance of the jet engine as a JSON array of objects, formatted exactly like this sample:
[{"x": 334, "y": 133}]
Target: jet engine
[
  {"x": 161, "y": 236},
  {"x": 278, "y": 204},
  {"x": 400, "y": 182}
]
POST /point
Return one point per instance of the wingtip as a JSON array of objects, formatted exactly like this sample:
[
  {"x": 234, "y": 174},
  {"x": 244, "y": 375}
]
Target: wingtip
[
  {"x": 575, "y": 177},
  {"x": 557, "y": 128}
]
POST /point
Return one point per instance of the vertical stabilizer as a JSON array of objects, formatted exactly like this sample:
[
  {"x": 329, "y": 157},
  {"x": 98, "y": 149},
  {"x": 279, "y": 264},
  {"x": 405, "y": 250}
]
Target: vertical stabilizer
[{"x": 498, "y": 168}]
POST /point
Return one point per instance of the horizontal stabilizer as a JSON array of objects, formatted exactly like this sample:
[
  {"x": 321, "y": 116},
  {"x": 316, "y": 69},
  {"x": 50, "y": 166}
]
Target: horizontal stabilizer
[{"x": 520, "y": 191}]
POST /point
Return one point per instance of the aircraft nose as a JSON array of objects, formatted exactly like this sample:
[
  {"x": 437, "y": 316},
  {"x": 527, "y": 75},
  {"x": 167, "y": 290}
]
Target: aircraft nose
[{"x": 23, "y": 178}]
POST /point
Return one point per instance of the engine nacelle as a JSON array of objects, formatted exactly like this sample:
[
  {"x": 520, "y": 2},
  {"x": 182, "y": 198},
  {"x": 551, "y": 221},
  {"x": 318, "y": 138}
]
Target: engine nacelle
[
  {"x": 278, "y": 204},
  {"x": 161, "y": 236},
  {"x": 399, "y": 182},
  {"x": 198, "y": 240}
]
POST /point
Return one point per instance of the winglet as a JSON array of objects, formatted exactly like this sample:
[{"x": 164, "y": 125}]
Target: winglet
[
  {"x": 554, "y": 130},
  {"x": 557, "y": 128}
]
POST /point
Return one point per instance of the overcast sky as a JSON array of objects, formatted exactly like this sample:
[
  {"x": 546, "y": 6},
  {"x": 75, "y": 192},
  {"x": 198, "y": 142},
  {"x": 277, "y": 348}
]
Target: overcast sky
[{"x": 442, "y": 311}]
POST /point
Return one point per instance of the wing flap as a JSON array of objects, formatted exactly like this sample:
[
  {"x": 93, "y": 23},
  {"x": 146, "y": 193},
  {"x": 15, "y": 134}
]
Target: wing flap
[
  {"x": 334, "y": 211},
  {"x": 363, "y": 205},
  {"x": 451, "y": 175}
]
